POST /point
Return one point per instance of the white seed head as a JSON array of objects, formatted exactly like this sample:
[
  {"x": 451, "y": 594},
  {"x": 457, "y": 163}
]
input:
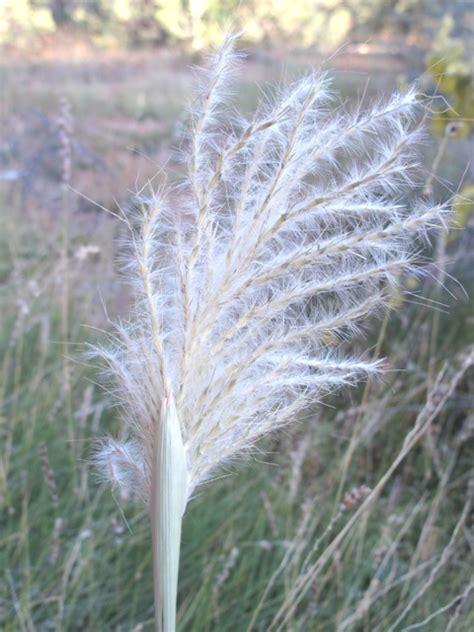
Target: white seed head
[{"x": 290, "y": 229}]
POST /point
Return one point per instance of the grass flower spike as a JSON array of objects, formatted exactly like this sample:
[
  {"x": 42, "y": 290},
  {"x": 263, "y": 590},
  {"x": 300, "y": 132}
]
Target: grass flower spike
[{"x": 289, "y": 233}]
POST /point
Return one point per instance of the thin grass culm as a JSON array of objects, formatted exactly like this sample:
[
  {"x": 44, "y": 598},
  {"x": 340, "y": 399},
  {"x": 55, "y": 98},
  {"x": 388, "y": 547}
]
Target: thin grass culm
[{"x": 290, "y": 231}]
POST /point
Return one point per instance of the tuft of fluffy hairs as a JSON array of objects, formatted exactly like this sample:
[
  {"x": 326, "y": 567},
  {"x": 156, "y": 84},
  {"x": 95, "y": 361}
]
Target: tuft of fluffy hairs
[{"x": 291, "y": 230}]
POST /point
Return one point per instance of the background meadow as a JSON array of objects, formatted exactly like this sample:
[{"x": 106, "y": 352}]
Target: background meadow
[{"x": 93, "y": 100}]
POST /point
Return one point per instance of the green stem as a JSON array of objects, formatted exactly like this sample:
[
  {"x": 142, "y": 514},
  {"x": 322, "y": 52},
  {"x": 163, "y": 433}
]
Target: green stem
[{"x": 167, "y": 505}]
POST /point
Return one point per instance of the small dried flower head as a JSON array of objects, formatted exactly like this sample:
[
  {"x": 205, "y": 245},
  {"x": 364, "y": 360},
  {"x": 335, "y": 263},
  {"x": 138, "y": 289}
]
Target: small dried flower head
[
  {"x": 453, "y": 127},
  {"x": 354, "y": 497}
]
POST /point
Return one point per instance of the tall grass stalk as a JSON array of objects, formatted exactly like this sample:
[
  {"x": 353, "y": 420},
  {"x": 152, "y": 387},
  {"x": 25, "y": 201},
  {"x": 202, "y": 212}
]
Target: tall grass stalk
[
  {"x": 65, "y": 154},
  {"x": 289, "y": 233}
]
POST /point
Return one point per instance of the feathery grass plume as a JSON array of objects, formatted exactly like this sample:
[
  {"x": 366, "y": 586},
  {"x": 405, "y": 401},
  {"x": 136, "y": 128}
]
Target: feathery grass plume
[{"x": 290, "y": 233}]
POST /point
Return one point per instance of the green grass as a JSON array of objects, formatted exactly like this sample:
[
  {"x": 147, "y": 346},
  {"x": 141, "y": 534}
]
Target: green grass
[{"x": 247, "y": 521}]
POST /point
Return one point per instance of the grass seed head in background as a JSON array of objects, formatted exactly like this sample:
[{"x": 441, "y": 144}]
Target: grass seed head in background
[{"x": 290, "y": 230}]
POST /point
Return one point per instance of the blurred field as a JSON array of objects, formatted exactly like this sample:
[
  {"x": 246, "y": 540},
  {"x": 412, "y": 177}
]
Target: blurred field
[{"x": 264, "y": 547}]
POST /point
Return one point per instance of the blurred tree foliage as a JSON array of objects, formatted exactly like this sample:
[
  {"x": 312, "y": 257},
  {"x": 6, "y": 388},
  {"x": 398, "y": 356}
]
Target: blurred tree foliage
[
  {"x": 452, "y": 70},
  {"x": 199, "y": 23},
  {"x": 463, "y": 209}
]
